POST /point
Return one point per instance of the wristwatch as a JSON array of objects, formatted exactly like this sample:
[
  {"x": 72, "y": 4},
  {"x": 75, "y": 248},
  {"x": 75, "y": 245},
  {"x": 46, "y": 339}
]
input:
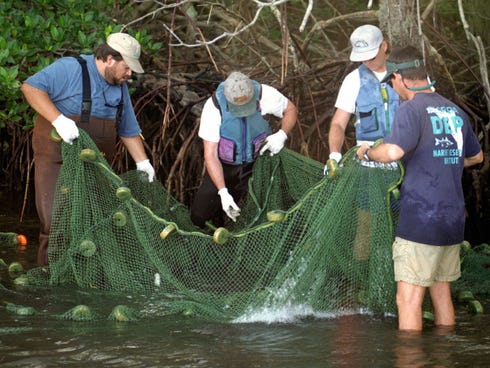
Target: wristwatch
[{"x": 365, "y": 154}]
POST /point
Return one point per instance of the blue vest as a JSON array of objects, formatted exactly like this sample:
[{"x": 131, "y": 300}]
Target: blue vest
[
  {"x": 376, "y": 105},
  {"x": 240, "y": 138}
]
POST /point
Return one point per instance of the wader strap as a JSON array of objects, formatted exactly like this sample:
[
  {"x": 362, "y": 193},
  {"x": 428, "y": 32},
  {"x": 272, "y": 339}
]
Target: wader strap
[
  {"x": 215, "y": 101},
  {"x": 120, "y": 108},
  {"x": 87, "y": 100},
  {"x": 87, "y": 95}
]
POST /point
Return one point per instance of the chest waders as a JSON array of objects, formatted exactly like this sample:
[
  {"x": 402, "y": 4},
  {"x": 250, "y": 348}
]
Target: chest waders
[{"x": 47, "y": 156}]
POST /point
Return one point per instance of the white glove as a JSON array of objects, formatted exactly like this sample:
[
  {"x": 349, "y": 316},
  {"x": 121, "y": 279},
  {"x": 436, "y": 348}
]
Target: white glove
[
  {"x": 228, "y": 204},
  {"x": 335, "y": 156},
  {"x": 274, "y": 142},
  {"x": 332, "y": 156},
  {"x": 146, "y": 167},
  {"x": 66, "y": 128}
]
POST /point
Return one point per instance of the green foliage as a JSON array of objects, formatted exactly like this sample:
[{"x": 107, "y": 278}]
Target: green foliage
[{"x": 34, "y": 34}]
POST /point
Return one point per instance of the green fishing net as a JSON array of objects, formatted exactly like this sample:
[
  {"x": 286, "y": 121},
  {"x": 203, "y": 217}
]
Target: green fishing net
[
  {"x": 475, "y": 270},
  {"x": 321, "y": 243},
  {"x": 8, "y": 239},
  {"x": 304, "y": 241}
]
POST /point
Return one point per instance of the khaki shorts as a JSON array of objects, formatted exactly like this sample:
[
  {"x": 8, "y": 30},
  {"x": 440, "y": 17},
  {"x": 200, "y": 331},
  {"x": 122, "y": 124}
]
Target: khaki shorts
[{"x": 422, "y": 264}]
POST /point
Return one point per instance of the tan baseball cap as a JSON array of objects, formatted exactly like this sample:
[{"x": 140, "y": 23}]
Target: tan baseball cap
[
  {"x": 239, "y": 92},
  {"x": 128, "y": 47}
]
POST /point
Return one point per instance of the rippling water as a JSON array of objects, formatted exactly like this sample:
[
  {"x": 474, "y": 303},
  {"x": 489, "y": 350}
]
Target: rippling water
[{"x": 270, "y": 339}]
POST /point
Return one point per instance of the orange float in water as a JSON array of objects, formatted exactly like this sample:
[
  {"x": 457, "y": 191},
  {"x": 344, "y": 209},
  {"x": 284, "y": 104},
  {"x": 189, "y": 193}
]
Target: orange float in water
[{"x": 22, "y": 240}]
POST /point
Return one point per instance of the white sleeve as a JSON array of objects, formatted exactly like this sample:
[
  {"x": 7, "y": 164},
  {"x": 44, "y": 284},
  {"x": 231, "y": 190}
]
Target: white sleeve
[
  {"x": 272, "y": 101},
  {"x": 210, "y": 122},
  {"x": 346, "y": 99}
]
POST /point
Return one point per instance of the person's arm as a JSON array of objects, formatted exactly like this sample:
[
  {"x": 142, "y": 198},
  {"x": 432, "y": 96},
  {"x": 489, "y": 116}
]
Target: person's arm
[
  {"x": 289, "y": 117},
  {"x": 473, "y": 160},
  {"x": 135, "y": 147},
  {"x": 215, "y": 171},
  {"x": 385, "y": 152},
  {"x": 336, "y": 134},
  {"x": 274, "y": 143},
  {"x": 41, "y": 102},
  {"x": 213, "y": 164}
]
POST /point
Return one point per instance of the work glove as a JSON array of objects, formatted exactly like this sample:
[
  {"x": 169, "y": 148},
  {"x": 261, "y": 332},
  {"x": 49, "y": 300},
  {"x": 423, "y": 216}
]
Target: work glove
[
  {"x": 335, "y": 156},
  {"x": 274, "y": 142},
  {"x": 146, "y": 167},
  {"x": 66, "y": 128},
  {"x": 228, "y": 204}
]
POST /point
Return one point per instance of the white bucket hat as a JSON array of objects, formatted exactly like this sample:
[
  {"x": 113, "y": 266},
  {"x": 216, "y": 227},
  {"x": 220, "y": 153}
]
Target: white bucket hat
[{"x": 239, "y": 92}]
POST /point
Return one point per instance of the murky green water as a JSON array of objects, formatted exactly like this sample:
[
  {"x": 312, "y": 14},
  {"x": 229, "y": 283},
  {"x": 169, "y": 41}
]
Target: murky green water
[{"x": 274, "y": 339}]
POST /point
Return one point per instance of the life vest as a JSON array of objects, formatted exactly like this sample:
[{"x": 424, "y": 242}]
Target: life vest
[
  {"x": 376, "y": 105},
  {"x": 240, "y": 138}
]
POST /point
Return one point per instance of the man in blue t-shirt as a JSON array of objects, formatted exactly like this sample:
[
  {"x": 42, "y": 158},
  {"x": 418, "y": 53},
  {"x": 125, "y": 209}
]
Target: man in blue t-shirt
[
  {"x": 56, "y": 93},
  {"x": 435, "y": 141}
]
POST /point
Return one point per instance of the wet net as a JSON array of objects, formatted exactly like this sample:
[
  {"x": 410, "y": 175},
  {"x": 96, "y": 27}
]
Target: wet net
[{"x": 303, "y": 240}]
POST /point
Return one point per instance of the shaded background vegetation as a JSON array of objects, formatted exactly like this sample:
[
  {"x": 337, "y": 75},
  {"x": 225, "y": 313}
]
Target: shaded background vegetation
[{"x": 185, "y": 55}]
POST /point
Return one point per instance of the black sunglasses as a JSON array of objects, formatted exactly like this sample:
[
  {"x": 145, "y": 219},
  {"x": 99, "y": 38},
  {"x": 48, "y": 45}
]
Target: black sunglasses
[{"x": 390, "y": 81}]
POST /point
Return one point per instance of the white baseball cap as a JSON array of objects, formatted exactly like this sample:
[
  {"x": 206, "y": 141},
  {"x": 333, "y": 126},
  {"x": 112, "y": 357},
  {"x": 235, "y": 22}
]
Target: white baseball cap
[
  {"x": 365, "y": 42},
  {"x": 239, "y": 92},
  {"x": 128, "y": 47}
]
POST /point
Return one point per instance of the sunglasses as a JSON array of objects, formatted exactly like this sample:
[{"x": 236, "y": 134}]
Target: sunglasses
[
  {"x": 390, "y": 81},
  {"x": 392, "y": 76}
]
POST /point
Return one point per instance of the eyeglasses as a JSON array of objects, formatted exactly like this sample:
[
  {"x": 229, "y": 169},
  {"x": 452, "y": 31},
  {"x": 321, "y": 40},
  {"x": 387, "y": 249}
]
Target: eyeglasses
[{"x": 390, "y": 81}]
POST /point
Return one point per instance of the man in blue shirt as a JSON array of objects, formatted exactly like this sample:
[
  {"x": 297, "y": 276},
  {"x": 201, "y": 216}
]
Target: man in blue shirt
[
  {"x": 435, "y": 141},
  {"x": 56, "y": 93}
]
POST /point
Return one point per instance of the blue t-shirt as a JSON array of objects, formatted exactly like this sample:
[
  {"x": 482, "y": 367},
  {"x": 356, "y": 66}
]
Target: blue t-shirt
[
  {"x": 436, "y": 136},
  {"x": 62, "y": 80}
]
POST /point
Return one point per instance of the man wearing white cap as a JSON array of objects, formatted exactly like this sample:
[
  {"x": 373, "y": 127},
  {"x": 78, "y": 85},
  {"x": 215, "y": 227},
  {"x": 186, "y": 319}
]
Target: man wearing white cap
[
  {"x": 90, "y": 92},
  {"x": 361, "y": 93},
  {"x": 234, "y": 133},
  {"x": 374, "y": 105}
]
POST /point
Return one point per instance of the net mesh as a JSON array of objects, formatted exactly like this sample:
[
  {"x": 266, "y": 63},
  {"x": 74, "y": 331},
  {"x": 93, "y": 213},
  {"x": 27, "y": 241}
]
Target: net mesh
[
  {"x": 303, "y": 239},
  {"x": 475, "y": 270},
  {"x": 8, "y": 239}
]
